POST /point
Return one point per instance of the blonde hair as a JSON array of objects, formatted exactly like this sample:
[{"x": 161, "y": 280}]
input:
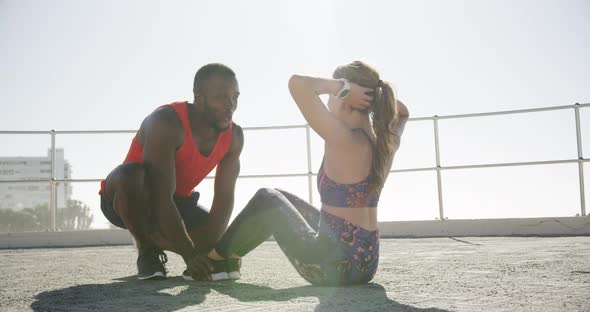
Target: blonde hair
[{"x": 383, "y": 113}]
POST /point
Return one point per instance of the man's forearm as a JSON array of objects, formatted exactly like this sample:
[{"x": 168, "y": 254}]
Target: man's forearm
[
  {"x": 221, "y": 211},
  {"x": 173, "y": 230}
]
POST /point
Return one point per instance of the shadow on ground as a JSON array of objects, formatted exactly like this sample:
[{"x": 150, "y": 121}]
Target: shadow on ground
[
  {"x": 173, "y": 294},
  {"x": 370, "y": 297},
  {"x": 126, "y": 294}
]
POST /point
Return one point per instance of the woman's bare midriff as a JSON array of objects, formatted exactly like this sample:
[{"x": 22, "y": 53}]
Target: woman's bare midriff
[{"x": 364, "y": 217}]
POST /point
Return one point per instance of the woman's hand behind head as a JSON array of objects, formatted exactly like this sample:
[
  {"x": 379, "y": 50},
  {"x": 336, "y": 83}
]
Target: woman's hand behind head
[{"x": 358, "y": 98}]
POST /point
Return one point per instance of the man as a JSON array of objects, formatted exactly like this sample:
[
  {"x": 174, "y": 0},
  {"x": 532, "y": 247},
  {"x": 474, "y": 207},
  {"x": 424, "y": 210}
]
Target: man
[{"x": 151, "y": 193}]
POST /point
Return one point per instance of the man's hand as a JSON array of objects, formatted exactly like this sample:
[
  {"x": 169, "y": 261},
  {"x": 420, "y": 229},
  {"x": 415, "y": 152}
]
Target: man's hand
[{"x": 199, "y": 266}]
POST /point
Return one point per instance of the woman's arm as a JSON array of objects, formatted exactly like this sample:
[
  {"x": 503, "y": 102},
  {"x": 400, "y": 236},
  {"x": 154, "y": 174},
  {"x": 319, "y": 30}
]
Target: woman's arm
[
  {"x": 403, "y": 116},
  {"x": 306, "y": 92},
  {"x": 398, "y": 127}
]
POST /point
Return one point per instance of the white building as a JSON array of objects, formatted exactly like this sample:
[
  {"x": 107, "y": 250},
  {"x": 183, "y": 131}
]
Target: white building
[{"x": 19, "y": 195}]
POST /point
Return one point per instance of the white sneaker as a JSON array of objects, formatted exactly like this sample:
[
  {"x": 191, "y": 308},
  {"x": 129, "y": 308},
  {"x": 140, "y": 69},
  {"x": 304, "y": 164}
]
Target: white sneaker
[
  {"x": 219, "y": 271},
  {"x": 233, "y": 268}
]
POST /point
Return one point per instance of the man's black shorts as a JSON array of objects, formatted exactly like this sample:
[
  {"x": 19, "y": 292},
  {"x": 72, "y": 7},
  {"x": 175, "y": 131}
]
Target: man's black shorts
[{"x": 190, "y": 211}]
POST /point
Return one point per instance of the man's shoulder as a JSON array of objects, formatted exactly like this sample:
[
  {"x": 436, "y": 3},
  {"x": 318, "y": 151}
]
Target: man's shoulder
[
  {"x": 164, "y": 116},
  {"x": 163, "y": 121},
  {"x": 237, "y": 130},
  {"x": 237, "y": 140}
]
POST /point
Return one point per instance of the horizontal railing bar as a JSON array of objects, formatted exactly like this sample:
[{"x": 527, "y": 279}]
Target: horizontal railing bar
[
  {"x": 286, "y": 175},
  {"x": 78, "y": 180},
  {"x": 527, "y": 163},
  {"x": 275, "y": 127},
  {"x": 26, "y": 181},
  {"x": 497, "y": 113},
  {"x": 25, "y": 132},
  {"x": 421, "y": 118},
  {"x": 520, "y": 111},
  {"x": 94, "y": 131},
  {"x": 510, "y": 112},
  {"x": 413, "y": 169},
  {"x": 293, "y": 175},
  {"x": 134, "y": 131}
]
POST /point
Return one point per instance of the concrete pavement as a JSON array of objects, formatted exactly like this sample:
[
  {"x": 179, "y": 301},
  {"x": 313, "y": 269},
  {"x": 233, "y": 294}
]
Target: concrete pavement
[{"x": 431, "y": 274}]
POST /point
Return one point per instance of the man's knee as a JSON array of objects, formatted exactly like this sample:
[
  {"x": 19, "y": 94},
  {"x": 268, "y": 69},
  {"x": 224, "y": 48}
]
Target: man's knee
[
  {"x": 126, "y": 186},
  {"x": 129, "y": 178},
  {"x": 133, "y": 175}
]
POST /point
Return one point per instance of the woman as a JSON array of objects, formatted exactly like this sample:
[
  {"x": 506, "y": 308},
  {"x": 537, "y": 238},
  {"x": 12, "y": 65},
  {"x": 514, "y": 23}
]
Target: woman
[{"x": 338, "y": 245}]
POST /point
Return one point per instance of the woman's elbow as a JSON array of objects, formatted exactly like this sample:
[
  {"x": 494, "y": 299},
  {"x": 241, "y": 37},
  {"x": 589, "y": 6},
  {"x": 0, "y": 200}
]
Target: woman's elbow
[
  {"x": 402, "y": 110},
  {"x": 294, "y": 81}
]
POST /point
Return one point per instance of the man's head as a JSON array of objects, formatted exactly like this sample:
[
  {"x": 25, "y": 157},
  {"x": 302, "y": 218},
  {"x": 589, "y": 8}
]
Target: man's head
[{"x": 216, "y": 93}]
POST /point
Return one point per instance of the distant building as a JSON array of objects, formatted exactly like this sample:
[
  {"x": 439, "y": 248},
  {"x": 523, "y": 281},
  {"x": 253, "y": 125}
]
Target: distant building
[{"x": 21, "y": 195}]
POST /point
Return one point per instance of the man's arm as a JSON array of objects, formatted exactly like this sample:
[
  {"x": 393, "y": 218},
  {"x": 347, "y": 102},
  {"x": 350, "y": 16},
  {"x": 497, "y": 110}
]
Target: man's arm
[
  {"x": 160, "y": 136},
  {"x": 226, "y": 175}
]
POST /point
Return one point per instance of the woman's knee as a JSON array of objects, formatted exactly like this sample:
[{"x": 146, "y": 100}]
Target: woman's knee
[
  {"x": 266, "y": 194},
  {"x": 282, "y": 191},
  {"x": 272, "y": 195},
  {"x": 294, "y": 199},
  {"x": 267, "y": 199},
  {"x": 266, "y": 191}
]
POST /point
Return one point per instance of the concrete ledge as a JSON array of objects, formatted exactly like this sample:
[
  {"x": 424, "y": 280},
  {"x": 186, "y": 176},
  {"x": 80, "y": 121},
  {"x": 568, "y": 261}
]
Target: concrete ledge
[
  {"x": 65, "y": 239},
  {"x": 566, "y": 226},
  {"x": 563, "y": 226}
]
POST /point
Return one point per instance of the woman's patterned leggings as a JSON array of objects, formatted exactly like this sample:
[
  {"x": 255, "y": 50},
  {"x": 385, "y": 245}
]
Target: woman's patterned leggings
[{"x": 323, "y": 248}]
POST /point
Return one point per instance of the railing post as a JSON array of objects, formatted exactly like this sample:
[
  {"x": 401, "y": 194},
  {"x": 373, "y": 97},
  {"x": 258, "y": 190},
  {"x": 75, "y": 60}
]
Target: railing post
[
  {"x": 309, "y": 168},
  {"x": 438, "y": 174},
  {"x": 580, "y": 160},
  {"x": 53, "y": 187}
]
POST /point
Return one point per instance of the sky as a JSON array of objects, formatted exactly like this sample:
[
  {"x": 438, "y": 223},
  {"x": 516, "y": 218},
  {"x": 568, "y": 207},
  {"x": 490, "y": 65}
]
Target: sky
[{"x": 105, "y": 65}]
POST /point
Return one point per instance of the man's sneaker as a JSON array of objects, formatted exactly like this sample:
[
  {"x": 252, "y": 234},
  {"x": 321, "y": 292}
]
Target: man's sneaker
[
  {"x": 233, "y": 268},
  {"x": 219, "y": 272},
  {"x": 187, "y": 276},
  {"x": 150, "y": 264}
]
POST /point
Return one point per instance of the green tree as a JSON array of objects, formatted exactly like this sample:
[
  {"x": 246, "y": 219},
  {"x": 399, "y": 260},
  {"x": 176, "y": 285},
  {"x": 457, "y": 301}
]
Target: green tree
[
  {"x": 25, "y": 220},
  {"x": 75, "y": 216}
]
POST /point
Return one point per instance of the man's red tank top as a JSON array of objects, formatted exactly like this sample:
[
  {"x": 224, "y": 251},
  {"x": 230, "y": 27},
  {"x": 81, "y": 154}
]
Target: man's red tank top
[{"x": 191, "y": 166}]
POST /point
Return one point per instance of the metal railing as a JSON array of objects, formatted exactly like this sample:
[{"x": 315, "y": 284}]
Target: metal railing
[{"x": 438, "y": 168}]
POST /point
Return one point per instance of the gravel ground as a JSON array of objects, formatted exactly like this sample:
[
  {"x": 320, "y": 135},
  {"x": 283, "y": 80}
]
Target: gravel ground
[{"x": 436, "y": 274}]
